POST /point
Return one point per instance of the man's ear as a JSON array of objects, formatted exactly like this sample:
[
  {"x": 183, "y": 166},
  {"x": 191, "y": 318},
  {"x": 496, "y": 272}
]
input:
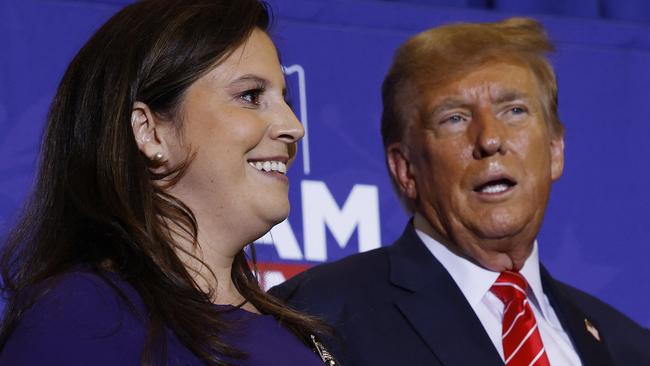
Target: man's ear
[
  {"x": 557, "y": 157},
  {"x": 146, "y": 133},
  {"x": 399, "y": 165}
]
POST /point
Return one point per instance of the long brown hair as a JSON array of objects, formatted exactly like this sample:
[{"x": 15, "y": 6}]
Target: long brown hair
[{"x": 96, "y": 201}]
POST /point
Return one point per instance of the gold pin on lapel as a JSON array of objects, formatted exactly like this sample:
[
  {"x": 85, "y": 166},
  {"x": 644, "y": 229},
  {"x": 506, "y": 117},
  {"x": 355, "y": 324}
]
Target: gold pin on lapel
[{"x": 592, "y": 330}]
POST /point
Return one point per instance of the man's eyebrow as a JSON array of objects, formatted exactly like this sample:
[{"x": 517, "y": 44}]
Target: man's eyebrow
[
  {"x": 509, "y": 96},
  {"x": 449, "y": 103}
]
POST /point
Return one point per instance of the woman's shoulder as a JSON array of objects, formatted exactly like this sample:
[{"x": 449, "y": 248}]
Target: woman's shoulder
[
  {"x": 79, "y": 317},
  {"x": 86, "y": 298},
  {"x": 92, "y": 295}
]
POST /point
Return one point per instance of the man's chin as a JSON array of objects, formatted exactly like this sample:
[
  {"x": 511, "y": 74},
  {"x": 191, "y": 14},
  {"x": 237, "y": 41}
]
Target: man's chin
[{"x": 499, "y": 233}]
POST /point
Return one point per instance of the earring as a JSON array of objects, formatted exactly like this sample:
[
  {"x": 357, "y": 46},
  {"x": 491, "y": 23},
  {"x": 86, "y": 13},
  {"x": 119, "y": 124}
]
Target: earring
[{"x": 157, "y": 157}]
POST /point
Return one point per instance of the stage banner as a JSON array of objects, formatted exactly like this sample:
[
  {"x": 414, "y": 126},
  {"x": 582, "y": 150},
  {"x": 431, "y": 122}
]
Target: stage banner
[{"x": 596, "y": 234}]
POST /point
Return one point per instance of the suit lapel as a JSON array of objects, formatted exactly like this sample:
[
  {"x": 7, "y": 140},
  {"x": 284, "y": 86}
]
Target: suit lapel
[
  {"x": 582, "y": 330},
  {"x": 435, "y": 307}
]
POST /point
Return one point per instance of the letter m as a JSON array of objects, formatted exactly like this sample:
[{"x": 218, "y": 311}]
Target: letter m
[{"x": 320, "y": 211}]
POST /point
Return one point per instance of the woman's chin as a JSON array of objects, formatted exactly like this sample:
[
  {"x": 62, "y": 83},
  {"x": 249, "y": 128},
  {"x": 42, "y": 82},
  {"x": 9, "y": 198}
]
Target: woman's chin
[{"x": 267, "y": 222}]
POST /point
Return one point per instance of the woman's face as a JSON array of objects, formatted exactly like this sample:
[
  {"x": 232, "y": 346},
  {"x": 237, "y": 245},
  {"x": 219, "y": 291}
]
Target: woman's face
[{"x": 243, "y": 134}]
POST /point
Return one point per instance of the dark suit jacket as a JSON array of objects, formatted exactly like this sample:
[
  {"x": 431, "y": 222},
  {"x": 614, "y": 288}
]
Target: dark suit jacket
[{"x": 397, "y": 305}]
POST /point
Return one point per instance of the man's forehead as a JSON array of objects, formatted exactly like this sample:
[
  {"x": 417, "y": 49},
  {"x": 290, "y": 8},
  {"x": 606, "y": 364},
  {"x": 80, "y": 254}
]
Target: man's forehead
[
  {"x": 496, "y": 83},
  {"x": 495, "y": 95}
]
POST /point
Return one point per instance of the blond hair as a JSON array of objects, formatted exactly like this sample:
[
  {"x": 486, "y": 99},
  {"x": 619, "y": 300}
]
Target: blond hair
[{"x": 436, "y": 56}]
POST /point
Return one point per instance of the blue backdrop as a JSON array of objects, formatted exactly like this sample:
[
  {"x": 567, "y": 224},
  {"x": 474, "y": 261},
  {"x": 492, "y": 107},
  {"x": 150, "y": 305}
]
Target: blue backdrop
[{"x": 596, "y": 235}]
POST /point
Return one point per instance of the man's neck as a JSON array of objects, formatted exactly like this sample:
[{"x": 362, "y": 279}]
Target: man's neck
[{"x": 498, "y": 258}]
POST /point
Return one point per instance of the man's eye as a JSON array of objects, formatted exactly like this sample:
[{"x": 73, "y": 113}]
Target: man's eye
[
  {"x": 454, "y": 119},
  {"x": 251, "y": 96},
  {"x": 517, "y": 110}
]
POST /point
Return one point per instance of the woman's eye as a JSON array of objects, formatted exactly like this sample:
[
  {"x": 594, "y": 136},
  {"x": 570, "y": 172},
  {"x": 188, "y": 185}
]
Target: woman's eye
[{"x": 251, "y": 96}]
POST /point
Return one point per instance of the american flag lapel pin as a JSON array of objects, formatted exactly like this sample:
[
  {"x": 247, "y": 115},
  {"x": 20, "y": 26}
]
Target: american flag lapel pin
[{"x": 592, "y": 330}]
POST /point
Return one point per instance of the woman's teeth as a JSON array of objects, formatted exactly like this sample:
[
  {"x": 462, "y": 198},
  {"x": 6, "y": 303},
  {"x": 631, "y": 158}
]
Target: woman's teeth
[{"x": 267, "y": 166}]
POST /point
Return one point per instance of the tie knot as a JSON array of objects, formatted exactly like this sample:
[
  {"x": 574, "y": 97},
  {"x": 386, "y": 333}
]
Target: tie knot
[{"x": 510, "y": 286}]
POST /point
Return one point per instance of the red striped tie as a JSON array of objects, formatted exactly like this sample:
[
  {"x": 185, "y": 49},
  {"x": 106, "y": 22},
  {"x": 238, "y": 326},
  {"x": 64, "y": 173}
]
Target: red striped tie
[{"x": 522, "y": 344}]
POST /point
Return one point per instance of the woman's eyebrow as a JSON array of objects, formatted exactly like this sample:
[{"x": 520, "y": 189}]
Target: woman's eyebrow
[
  {"x": 248, "y": 78},
  {"x": 256, "y": 79}
]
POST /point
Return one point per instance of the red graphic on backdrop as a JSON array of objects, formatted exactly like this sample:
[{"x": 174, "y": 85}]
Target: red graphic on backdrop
[{"x": 285, "y": 270}]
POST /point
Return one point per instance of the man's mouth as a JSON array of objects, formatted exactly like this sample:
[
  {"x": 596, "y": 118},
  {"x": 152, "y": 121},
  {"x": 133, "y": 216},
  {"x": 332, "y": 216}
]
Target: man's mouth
[
  {"x": 269, "y": 166},
  {"x": 495, "y": 186}
]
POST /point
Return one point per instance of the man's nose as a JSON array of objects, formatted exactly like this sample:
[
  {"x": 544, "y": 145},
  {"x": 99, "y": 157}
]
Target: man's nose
[{"x": 489, "y": 135}]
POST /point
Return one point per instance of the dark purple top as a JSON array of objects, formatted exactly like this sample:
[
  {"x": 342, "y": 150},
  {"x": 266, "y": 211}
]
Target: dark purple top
[{"x": 83, "y": 321}]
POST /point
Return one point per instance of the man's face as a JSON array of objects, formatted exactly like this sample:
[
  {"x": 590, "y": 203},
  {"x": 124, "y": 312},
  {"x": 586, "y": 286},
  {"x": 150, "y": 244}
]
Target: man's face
[{"x": 479, "y": 164}]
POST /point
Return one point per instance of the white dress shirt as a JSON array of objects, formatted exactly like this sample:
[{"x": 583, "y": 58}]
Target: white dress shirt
[{"x": 475, "y": 281}]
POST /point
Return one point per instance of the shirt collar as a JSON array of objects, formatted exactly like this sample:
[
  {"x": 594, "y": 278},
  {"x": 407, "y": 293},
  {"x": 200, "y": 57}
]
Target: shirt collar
[
  {"x": 531, "y": 273},
  {"x": 475, "y": 281}
]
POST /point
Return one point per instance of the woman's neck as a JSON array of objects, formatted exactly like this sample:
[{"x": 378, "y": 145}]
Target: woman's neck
[{"x": 210, "y": 263}]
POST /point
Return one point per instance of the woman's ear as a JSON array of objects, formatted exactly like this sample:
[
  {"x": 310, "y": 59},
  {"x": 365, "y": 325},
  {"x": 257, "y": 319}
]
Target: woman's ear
[{"x": 146, "y": 133}]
